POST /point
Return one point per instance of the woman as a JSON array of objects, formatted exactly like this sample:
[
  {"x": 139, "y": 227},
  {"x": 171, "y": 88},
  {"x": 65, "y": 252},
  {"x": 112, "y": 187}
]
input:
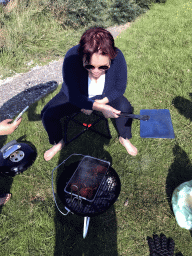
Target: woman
[
  {"x": 94, "y": 78},
  {"x": 5, "y": 129}
]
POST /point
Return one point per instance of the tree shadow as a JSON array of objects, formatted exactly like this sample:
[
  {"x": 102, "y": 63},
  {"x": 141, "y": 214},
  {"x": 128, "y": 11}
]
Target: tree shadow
[
  {"x": 101, "y": 238},
  {"x": 31, "y": 95},
  {"x": 181, "y": 169}
]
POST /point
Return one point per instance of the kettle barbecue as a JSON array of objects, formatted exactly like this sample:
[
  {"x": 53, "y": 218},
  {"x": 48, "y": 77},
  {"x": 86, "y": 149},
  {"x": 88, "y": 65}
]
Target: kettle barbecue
[{"x": 16, "y": 157}]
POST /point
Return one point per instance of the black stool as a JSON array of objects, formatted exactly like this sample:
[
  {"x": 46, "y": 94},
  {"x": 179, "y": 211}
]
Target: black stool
[{"x": 86, "y": 126}]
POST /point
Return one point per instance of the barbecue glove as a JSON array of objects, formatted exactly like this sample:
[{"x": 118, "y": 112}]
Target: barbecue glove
[{"x": 161, "y": 246}]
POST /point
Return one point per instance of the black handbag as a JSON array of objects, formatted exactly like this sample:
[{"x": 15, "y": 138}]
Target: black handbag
[{"x": 16, "y": 157}]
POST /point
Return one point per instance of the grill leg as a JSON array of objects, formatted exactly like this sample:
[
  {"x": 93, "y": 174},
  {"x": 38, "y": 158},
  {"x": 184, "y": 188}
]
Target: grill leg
[{"x": 86, "y": 226}]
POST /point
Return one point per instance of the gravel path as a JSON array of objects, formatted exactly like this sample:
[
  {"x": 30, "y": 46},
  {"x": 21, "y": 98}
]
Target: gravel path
[{"x": 24, "y": 89}]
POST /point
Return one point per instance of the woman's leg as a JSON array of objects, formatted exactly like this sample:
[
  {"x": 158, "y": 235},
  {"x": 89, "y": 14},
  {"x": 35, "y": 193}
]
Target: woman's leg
[
  {"x": 51, "y": 114},
  {"x": 124, "y": 124}
]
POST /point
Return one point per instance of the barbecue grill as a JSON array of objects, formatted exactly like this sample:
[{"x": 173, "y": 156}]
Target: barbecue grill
[
  {"x": 87, "y": 188},
  {"x": 16, "y": 157}
]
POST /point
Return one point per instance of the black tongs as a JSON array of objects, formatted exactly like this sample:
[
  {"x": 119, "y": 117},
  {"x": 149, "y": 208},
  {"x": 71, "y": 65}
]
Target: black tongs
[{"x": 140, "y": 117}]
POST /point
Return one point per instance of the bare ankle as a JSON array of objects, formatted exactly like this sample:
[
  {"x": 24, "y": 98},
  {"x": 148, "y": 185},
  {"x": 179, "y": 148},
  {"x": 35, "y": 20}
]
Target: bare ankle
[
  {"x": 61, "y": 142},
  {"x": 121, "y": 138}
]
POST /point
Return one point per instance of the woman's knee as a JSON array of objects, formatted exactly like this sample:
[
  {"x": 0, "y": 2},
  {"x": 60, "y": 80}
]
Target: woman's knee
[
  {"x": 128, "y": 105},
  {"x": 57, "y": 100},
  {"x": 48, "y": 114},
  {"x": 124, "y": 105},
  {"x": 43, "y": 111}
]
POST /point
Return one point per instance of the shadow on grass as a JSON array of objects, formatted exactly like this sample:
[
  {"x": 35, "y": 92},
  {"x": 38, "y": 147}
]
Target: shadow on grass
[
  {"x": 11, "y": 108},
  {"x": 14, "y": 106},
  {"x": 29, "y": 96},
  {"x": 179, "y": 172},
  {"x": 181, "y": 169},
  {"x": 101, "y": 238},
  {"x": 184, "y": 106}
]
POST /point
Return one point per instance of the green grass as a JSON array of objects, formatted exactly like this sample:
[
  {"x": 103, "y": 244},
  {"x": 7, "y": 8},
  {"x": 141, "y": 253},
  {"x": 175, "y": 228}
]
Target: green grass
[
  {"x": 33, "y": 36},
  {"x": 158, "y": 51}
]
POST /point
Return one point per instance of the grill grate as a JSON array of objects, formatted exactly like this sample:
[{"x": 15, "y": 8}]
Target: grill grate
[
  {"x": 106, "y": 195},
  {"x": 87, "y": 178}
]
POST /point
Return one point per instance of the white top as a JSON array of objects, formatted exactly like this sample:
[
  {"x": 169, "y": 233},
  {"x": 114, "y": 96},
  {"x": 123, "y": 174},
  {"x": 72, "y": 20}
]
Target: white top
[{"x": 96, "y": 88}]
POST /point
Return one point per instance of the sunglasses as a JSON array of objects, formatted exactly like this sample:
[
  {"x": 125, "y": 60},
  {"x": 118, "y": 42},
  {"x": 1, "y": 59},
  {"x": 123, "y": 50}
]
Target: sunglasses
[{"x": 90, "y": 67}]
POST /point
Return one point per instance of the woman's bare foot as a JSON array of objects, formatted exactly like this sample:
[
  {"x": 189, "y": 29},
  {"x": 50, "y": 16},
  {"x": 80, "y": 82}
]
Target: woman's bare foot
[
  {"x": 53, "y": 151},
  {"x": 129, "y": 147}
]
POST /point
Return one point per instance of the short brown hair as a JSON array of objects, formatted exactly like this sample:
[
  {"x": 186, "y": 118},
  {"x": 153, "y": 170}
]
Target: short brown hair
[{"x": 97, "y": 39}]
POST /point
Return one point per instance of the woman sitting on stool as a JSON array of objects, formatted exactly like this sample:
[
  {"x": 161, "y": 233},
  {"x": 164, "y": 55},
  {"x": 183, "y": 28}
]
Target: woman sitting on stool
[{"x": 94, "y": 78}]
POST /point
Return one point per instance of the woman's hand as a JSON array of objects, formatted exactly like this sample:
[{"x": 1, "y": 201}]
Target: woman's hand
[
  {"x": 86, "y": 111},
  {"x": 110, "y": 112},
  {"x": 103, "y": 101},
  {"x": 6, "y": 128}
]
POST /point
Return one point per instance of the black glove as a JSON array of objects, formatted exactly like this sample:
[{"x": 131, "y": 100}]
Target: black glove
[{"x": 161, "y": 246}]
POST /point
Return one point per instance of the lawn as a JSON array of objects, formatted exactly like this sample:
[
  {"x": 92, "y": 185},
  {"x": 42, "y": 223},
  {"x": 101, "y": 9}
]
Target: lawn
[{"x": 158, "y": 51}]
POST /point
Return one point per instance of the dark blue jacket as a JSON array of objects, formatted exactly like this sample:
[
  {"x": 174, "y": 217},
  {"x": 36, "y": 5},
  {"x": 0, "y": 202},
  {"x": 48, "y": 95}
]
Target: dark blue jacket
[{"x": 75, "y": 79}]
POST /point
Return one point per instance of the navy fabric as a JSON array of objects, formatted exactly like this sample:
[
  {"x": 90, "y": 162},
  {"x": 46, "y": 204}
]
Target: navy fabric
[
  {"x": 159, "y": 124},
  {"x": 59, "y": 106},
  {"x": 75, "y": 79},
  {"x": 4, "y": 1}
]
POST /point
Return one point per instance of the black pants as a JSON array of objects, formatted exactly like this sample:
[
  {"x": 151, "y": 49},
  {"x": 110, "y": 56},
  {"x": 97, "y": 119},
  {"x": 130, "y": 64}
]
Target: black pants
[{"x": 59, "y": 107}]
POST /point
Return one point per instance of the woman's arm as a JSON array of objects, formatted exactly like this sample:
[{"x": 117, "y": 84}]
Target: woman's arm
[
  {"x": 108, "y": 111},
  {"x": 103, "y": 101},
  {"x": 98, "y": 106}
]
